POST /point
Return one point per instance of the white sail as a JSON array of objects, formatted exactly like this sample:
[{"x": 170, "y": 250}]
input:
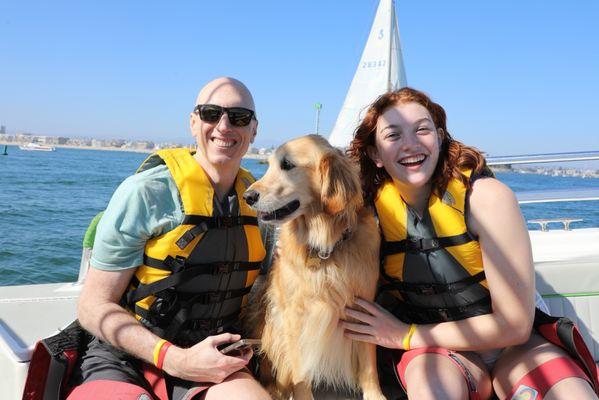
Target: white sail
[{"x": 380, "y": 69}]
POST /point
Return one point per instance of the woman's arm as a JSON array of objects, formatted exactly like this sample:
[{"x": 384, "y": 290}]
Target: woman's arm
[{"x": 507, "y": 258}]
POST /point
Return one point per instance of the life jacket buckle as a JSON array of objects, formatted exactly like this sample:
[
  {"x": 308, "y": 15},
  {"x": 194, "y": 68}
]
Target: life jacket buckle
[
  {"x": 164, "y": 307},
  {"x": 417, "y": 245},
  {"x": 225, "y": 221},
  {"x": 176, "y": 264}
]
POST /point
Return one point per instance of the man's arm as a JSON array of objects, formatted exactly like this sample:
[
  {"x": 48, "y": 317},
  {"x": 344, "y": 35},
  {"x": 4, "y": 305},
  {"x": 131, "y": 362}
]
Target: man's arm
[{"x": 100, "y": 313}]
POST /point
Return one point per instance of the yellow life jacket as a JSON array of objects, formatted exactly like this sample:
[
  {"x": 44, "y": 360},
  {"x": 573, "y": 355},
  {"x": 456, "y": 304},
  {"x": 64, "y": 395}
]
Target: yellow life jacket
[
  {"x": 195, "y": 278},
  {"x": 433, "y": 265}
]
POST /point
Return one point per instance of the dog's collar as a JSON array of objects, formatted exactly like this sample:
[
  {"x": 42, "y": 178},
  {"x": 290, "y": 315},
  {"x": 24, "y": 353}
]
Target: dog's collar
[{"x": 324, "y": 254}]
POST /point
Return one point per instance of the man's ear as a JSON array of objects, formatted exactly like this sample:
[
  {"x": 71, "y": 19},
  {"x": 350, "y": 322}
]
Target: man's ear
[
  {"x": 373, "y": 153},
  {"x": 192, "y": 122},
  {"x": 255, "y": 133}
]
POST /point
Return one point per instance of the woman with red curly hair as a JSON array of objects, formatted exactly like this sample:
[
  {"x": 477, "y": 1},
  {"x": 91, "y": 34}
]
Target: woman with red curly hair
[{"x": 457, "y": 304}]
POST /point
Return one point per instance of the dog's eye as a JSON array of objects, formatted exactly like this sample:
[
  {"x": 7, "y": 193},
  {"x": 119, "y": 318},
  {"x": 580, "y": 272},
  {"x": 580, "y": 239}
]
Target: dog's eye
[{"x": 286, "y": 165}]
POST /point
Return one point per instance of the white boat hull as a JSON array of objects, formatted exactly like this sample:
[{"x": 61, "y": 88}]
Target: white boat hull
[
  {"x": 567, "y": 276},
  {"x": 36, "y": 147}
]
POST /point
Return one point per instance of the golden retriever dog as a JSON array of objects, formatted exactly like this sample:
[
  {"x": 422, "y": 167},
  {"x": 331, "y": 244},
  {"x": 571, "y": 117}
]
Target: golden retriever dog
[{"x": 328, "y": 256}]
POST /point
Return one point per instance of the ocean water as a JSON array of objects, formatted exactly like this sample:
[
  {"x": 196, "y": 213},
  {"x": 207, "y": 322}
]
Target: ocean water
[{"x": 47, "y": 200}]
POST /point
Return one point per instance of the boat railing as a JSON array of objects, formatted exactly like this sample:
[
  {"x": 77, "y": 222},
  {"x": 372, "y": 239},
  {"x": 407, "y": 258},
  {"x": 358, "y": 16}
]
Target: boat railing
[{"x": 544, "y": 222}]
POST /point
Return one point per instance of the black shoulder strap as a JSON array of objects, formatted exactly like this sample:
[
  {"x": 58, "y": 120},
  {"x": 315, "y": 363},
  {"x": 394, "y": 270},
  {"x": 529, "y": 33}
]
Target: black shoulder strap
[{"x": 203, "y": 223}]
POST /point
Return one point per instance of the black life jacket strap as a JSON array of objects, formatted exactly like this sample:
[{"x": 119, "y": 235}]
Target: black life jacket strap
[
  {"x": 423, "y": 245},
  {"x": 209, "y": 325},
  {"x": 177, "y": 264},
  {"x": 217, "y": 296},
  {"x": 432, "y": 288},
  {"x": 213, "y": 325},
  {"x": 183, "y": 275},
  {"x": 203, "y": 223},
  {"x": 425, "y": 315},
  {"x": 188, "y": 300}
]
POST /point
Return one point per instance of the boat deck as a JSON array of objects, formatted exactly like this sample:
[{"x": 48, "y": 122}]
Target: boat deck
[{"x": 567, "y": 276}]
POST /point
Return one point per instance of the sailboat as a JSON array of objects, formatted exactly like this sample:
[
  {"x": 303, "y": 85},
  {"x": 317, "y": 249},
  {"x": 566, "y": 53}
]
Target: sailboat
[
  {"x": 380, "y": 70},
  {"x": 566, "y": 260}
]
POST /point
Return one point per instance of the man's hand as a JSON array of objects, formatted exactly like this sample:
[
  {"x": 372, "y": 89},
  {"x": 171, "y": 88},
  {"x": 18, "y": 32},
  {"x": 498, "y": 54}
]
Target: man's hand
[{"x": 204, "y": 362}]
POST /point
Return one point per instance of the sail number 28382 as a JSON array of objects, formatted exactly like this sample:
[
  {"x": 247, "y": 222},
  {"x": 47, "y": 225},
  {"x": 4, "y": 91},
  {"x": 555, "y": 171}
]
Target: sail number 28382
[{"x": 373, "y": 64}]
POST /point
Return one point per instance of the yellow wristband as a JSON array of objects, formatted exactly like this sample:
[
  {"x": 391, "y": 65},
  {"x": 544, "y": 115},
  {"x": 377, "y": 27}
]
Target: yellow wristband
[
  {"x": 408, "y": 337},
  {"x": 157, "y": 348}
]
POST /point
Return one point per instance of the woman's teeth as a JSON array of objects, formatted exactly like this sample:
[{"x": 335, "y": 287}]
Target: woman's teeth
[{"x": 413, "y": 160}]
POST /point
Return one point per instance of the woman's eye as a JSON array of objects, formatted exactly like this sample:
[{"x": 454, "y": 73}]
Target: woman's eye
[
  {"x": 393, "y": 135},
  {"x": 286, "y": 165},
  {"x": 423, "y": 129}
]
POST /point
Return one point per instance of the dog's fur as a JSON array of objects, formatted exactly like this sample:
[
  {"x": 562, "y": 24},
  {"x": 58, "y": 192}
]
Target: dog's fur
[{"x": 305, "y": 295}]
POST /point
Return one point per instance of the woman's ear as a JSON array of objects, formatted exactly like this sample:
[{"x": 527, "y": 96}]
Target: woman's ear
[
  {"x": 440, "y": 135},
  {"x": 373, "y": 153}
]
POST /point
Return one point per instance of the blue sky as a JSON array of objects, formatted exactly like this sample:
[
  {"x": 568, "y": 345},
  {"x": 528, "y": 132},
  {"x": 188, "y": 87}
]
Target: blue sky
[{"x": 514, "y": 76}]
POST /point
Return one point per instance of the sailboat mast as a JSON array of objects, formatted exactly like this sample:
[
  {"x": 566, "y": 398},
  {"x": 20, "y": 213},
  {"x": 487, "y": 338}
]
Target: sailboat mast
[{"x": 390, "y": 35}]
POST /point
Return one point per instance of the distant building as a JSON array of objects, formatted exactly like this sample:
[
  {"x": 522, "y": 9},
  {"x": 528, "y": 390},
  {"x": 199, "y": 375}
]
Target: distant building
[
  {"x": 24, "y": 137},
  {"x": 2, "y": 129},
  {"x": 143, "y": 145},
  {"x": 116, "y": 143}
]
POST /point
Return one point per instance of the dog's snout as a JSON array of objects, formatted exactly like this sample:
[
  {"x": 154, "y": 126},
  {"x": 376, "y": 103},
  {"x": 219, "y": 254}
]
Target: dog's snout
[{"x": 251, "y": 196}]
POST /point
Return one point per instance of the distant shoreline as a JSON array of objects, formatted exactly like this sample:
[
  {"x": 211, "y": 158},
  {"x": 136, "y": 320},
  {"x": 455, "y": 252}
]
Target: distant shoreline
[
  {"x": 260, "y": 157},
  {"x": 550, "y": 171}
]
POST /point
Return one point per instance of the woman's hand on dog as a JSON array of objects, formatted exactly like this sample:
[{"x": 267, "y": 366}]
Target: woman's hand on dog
[
  {"x": 204, "y": 362},
  {"x": 374, "y": 325}
]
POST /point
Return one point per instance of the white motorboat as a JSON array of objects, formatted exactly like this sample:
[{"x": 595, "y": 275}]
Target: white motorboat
[{"x": 36, "y": 147}]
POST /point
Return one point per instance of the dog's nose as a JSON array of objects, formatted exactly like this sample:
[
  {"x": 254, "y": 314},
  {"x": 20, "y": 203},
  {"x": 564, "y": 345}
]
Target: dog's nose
[{"x": 251, "y": 196}]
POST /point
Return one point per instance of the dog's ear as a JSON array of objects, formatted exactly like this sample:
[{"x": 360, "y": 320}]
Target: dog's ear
[{"x": 340, "y": 183}]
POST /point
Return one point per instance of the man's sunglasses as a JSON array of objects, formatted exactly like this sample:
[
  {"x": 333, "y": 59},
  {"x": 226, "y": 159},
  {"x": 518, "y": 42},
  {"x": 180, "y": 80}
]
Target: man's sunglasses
[{"x": 238, "y": 116}]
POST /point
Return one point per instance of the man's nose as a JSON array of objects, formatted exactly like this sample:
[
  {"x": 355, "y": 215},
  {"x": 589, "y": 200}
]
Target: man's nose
[
  {"x": 251, "y": 196},
  {"x": 224, "y": 123}
]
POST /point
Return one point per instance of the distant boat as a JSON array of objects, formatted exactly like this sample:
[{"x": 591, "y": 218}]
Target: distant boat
[
  {"x": 5, "y": 150},
  {"x": 36, "y": 147},
  {"x": 380, "y": 70}
]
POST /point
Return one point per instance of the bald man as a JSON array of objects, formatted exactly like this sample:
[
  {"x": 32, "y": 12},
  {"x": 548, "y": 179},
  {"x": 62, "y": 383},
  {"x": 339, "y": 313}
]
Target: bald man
[{"x": 176, "y": 253}]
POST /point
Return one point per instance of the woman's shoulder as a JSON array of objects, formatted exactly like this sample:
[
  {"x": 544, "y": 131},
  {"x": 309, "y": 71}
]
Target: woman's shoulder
[
  {"x": 493, "y": 205},
  {"x": 488, "y": 191}
]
